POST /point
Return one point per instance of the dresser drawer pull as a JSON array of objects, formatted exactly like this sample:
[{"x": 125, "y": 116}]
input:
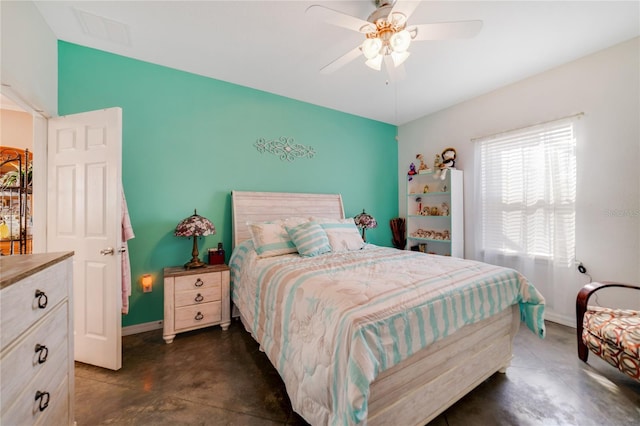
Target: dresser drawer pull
[
  {"x": 43, "y": 400},
  {"x": 199, "y": 283},
  {"x": 43, "y": 353},
  {"x": 199, "y": 298},
  {"x": 199, "y": 316},
  {"x": 42, "y": 299}
]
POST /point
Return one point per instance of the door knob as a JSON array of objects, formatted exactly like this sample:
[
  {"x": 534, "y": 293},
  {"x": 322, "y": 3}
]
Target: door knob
[{"x": 108, "y": 250}]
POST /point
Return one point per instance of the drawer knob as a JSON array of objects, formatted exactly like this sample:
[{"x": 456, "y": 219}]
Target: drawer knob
[
  {"x": 199, "y": 316},
  {"x": 43, "y": 353},
  {"x": 42, "y": 299},
  {"x": 43, "y": 400},
  {"x": 199, "y": 283},
  {"x": 199, "y": 298}
]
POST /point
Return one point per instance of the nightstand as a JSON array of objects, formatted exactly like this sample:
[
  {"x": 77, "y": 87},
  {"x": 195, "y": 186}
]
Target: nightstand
[{"x": 195, "y": 298}]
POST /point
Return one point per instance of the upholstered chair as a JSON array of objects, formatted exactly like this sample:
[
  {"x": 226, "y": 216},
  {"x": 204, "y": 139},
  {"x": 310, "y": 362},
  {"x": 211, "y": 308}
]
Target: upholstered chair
[{"x": 610, "y": 333}]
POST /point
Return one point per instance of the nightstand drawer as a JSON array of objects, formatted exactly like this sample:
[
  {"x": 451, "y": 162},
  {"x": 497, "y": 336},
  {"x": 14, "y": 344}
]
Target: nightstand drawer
[
  {"x": 198, "y": 315},
  {"x": 195, "y": 297},
  {"x": 194, "y": 282}
]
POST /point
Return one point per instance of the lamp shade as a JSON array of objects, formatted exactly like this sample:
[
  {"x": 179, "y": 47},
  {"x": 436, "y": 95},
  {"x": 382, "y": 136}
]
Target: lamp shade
[
  {"x": 375, "y": 63},
  {"x": 400, "y": 41},
  {"x": 371, "y": 47},
  {"x": 195, "y": 226},
  {"x": 365, "y": 220},
  {"x": 399, "y": 58}
]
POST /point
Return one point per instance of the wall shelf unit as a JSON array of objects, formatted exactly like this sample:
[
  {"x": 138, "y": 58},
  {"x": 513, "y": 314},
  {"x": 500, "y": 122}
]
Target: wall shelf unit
[
  {"x": 15, "y": 201},
  {"x": 435, "y": 214}
]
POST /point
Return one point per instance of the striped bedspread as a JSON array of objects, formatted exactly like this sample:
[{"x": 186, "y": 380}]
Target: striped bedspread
[{"x": 331, "y": 323}]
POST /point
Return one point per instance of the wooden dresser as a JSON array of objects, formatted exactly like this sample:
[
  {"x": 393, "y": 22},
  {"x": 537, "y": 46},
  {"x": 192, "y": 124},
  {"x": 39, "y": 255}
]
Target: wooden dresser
[{"x": 36, "y": 340}]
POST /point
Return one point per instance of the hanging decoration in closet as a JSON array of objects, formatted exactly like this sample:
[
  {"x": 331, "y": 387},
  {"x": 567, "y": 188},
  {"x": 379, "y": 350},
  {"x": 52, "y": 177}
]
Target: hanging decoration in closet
[{"x": 285, "y": 148}]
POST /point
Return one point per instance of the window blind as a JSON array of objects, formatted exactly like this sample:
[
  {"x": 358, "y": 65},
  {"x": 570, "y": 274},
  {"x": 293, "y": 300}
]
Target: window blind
[{"x": 527, "y": 185}]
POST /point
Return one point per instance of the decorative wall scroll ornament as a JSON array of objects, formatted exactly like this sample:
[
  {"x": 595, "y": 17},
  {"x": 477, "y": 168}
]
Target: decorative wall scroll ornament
[{"x": 284, "y": 148}]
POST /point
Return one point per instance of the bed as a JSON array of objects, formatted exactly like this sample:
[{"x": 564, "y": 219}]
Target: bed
[{"x": 371, "y": 335}]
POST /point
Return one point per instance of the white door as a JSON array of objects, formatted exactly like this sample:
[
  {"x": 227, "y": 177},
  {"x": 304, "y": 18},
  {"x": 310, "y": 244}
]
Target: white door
[{"x": 84, "y": 216}]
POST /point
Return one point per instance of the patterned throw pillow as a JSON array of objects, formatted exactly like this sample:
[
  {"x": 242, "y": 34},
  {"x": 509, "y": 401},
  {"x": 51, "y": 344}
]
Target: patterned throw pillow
[
  {"x": 342, "y": 233},
  {"x": 271, "y": 239},
  {"x": 309, "y": 238}
]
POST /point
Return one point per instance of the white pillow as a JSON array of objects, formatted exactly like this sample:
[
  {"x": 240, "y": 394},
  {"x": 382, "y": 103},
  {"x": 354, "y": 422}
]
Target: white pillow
[
  {"x": 343, "y": 234},
  {"x": 309, "y": 238},
  {"x": 271, "y": 238}
]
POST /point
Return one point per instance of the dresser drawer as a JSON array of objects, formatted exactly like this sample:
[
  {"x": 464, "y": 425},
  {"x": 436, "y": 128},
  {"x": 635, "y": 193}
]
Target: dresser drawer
[
  {"x": 195, "y": 297},
  {"x": 194, "y": 282},
  {"x": 25, "y": 409},
  {"x": 198, "y": 315},
  {"x": 19, "y": 305},
  {"x": 22, "y": 363},
  {"x": 57, "y": 413}
]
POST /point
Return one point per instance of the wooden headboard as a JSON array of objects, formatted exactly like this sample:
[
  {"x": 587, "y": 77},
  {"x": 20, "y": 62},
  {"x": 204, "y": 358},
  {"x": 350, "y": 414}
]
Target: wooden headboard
[{"x": 263, "y": 206}]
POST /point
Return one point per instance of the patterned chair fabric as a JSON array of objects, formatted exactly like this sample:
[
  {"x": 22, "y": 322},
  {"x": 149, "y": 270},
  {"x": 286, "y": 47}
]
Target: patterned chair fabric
[
  {"x": 611, "y": 334},
  {"x": 614, "y": 335}
]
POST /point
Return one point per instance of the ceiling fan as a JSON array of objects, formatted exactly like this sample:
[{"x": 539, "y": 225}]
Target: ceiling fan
[{"x": 388, "y": 35}]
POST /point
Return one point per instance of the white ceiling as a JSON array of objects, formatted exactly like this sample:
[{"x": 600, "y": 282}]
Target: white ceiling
[{"x": 273, "y": 46}]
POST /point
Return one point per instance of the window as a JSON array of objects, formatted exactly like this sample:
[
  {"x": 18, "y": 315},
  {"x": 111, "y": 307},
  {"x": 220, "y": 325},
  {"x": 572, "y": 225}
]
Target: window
[{"x": 526, "y": 188}]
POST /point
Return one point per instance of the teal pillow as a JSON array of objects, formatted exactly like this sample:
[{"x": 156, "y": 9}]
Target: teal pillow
[{"x": 309, "y": 238}]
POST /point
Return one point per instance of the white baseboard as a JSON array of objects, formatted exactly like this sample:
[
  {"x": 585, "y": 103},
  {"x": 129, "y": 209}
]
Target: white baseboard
[
  {"x": 141, "y": 328},
  {"x": 560, "y": 319}
]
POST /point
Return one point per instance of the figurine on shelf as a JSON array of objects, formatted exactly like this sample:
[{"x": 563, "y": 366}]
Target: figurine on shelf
[
  {"x": 425, "y": 189},
  {"x": 437, "y": 163},
  {"x": 444, "y": 210},
  {"x": 448, "y": 162},
  {"x": 423, "y": 168},
  {"x": 412, "y": 171}
]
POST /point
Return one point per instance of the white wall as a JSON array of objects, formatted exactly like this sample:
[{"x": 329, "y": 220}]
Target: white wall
[
  {"x": 604, "y": 86},
  {"x": 29, "y": 62}
]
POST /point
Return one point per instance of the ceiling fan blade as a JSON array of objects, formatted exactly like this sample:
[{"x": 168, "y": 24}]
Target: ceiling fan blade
[
  {"x": 406, "y": 7},
  {"x": 339, "y": 19},
  {"x": 395, "y": 73},
  {"x": 341, "y": 61},
  {"x": 446, "y": 30}
]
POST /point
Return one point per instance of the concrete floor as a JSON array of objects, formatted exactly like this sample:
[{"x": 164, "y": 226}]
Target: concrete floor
[{"x": 215, "y": 377}]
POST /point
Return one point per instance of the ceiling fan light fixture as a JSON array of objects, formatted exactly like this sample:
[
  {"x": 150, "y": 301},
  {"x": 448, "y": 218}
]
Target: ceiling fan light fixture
[
  {"x": 375, "y": 63},
  {"x": 399, "y": 58},
  {"x": 388, "y": 34},
  {"x": 400, "y": 41},
  {"x": 371, "y": 47}
]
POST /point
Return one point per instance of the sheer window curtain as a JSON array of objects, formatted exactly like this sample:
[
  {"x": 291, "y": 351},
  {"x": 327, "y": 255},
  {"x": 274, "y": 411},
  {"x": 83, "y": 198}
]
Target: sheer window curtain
[{"x": 525, "y": 198}]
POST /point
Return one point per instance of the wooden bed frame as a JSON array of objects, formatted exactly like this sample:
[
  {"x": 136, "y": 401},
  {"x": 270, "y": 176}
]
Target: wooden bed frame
[{"x": 421, "y": 387}]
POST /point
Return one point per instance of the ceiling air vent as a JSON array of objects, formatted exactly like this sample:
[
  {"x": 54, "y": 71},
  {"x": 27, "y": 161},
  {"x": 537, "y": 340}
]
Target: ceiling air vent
[{"x": 103, "y": 28}]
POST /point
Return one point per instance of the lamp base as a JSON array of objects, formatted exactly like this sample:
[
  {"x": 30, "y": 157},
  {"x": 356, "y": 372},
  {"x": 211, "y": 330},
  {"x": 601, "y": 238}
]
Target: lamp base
[
  {"x": 195, "y": 261},
  {"x": 193, "y": 264}
]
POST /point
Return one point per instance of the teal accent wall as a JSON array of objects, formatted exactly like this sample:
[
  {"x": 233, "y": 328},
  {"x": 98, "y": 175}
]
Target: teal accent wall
[{"x": 188, "y": 141}]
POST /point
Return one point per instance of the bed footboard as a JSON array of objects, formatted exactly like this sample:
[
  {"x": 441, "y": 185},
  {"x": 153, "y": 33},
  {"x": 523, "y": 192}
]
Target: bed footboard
[{"x": 418, "y": 389}]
